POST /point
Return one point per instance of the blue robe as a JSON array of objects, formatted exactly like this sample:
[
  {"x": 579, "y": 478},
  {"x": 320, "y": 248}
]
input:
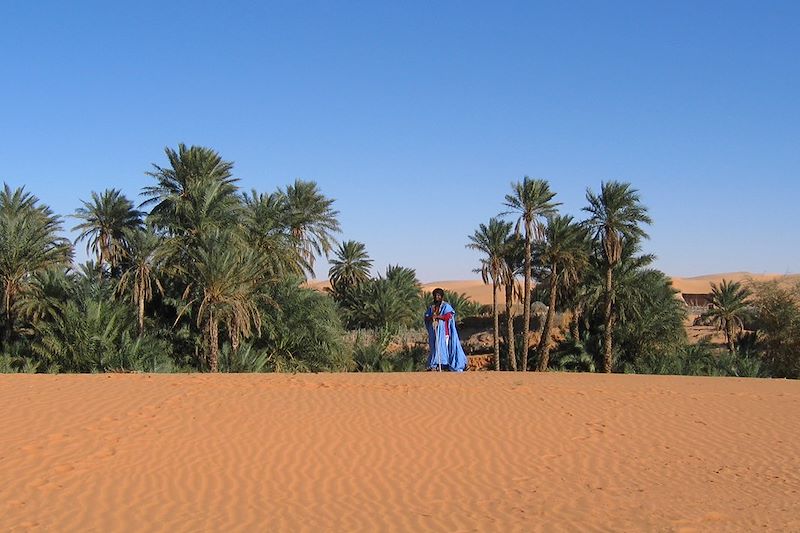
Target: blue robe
[{"x": 451, "y": 355}]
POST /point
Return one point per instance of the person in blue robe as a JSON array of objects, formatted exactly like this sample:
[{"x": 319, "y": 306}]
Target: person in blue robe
[{"x": 446, "y": 352}]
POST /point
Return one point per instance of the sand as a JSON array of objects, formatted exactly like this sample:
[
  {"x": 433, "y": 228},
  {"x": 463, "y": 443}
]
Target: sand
[
  {"x": 398, "y": 452},
  {"x": 480, "y": 292},
  {"x": 702, "y": 284}
]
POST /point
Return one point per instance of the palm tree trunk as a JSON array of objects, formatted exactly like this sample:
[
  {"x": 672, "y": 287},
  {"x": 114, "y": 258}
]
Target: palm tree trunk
[
  {"x": 9, "y": 314},
  {"x": 213, "y": 343},
  {"x": 573, "y": 324},
  {"x": 512, "y": 352},
  {"x": 544, "y": 342},
  {"x": 141, "y": 314},
  {"x": 496, "y": 331},
  {"x": 729, "y": 336},
  {"x": 101, "y": 254},
  {"x": 235, "y": 336},
  {"x": 608, "y": 323},
  {"x": 526, "y": 314}
]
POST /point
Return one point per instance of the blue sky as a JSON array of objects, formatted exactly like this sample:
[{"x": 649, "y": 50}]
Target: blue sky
[{"x": 417, "y": 116}]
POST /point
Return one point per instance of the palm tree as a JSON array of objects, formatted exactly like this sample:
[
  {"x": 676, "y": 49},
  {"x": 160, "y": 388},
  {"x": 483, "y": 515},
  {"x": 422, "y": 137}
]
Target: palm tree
[
  {"x": 29, "y": 243},
  {"x": 85, "y": 336},
  {"x": 302, "y": 330},
  {"x": 350, "y": 267},
  {"x": 636, "y": 292},
  {"x": 491, "y": 242},
  {"x": 564, "y": 253},
  {"x": 46, "y": 290},
  {"x": 311, "y": 219},
  {"x": 405, "y": 283},
  {"x": 382, "y": 306},
  {"x": 140, "y": 271},
  {"x": 195, "y": 197},
  {"x": 225, "y": 278},
  {"x": 532, "y": 201},
  {"x": 386, "y": 302},
  {"x": 729, "y": 306},
  {"x": 105, "y": 220},
  {"x": 196, "y": 193},
  {"x": 631, "y": 290},
  {"x": 615, "y": 215},
  {"x": 651, "y": 318},
  {"x": 513, "y": 261},
  {"x": 268, "y": 232}
]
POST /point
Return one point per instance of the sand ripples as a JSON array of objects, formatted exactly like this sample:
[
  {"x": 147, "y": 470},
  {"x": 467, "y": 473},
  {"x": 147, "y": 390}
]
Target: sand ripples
[{"x": 443, "y": 452}]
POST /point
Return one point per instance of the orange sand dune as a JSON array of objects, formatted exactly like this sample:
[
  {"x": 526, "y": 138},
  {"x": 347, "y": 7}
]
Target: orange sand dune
[
  {"x": 476, "y": 289},
  {"x": 702, "y": 284},
  {"x": 482, "y": 293},
  {"x": 398, "y": 452}
]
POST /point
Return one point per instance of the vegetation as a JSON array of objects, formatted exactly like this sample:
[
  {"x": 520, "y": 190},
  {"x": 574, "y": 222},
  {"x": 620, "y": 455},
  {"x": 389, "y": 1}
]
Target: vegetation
[
  {"x": 729, "y": 308},
  {"x": 776, "y": 308},
  {"x": 615, "y": 216},
  {"x": 563, "y": 254},
  {"x": 107, "y": 220},
  {"x": 29, "y": 244},
  {"x": 213, "y": 279},
  {"x": 531, "y": 201},
  {"x": 491, "y": 241}
]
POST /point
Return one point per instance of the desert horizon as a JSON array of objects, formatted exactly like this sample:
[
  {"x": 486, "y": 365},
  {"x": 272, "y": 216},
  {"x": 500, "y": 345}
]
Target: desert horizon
[{"x": 481, "y": 292}]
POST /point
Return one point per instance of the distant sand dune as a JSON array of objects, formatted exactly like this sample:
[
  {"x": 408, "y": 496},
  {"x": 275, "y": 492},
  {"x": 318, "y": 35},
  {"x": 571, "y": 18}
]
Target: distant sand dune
[
  {"x": 476, "y": 289},
  {"x": 482, "y": 293},
  {"x": 398, "y": 452},
  {"x": 702, "y": 284}
]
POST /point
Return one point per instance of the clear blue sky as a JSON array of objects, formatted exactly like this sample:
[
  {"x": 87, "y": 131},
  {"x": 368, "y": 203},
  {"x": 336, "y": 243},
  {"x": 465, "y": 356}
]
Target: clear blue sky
[{"x": 417, "y": 116}]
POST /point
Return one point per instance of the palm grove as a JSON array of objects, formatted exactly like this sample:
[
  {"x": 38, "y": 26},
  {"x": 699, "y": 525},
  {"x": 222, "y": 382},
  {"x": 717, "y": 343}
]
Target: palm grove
[{"x": 210, "y": 279}]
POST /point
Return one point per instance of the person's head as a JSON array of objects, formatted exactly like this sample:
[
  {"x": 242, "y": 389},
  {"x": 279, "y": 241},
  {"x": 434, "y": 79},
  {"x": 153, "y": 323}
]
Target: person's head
[{"x": 438, "y": 295}]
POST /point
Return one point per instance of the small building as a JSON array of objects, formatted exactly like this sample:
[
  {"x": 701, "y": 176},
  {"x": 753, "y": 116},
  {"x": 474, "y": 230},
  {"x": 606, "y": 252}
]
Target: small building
[{"x": 697, "y": 302}]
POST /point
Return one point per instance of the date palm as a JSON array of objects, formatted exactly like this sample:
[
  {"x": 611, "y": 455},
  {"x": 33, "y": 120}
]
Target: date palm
[
  {"x": 615, "y": 215},
  {"x": 729, "y": 307},
  {"x": 404, "y": 280},
  {"x": 349, "y": 267},
  {"x": 563, "y": 254},
  {"x": 140, "y": 270},
  {"x": 29, "y": 243},
  {"x": 491, "y": 242},
  {"x": 513, "y": 262},
  {"x": 382, "y": 305},
  {"x": 630, "y": 299},
  {"x": 194, "y": 194},
  {"x": 224, "y": 282},
  {"x": 386, "y": 302},
  {"x": 268, "y": 232},
  {"x": 651, "y": 318},
  {"x": 531, "y": 201},
  {"x": 105, "y": 219},
  {"x": 47, "y": 289},
  {"x": 86, "y": 335},
  {"x": 311, "y": 219}
]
